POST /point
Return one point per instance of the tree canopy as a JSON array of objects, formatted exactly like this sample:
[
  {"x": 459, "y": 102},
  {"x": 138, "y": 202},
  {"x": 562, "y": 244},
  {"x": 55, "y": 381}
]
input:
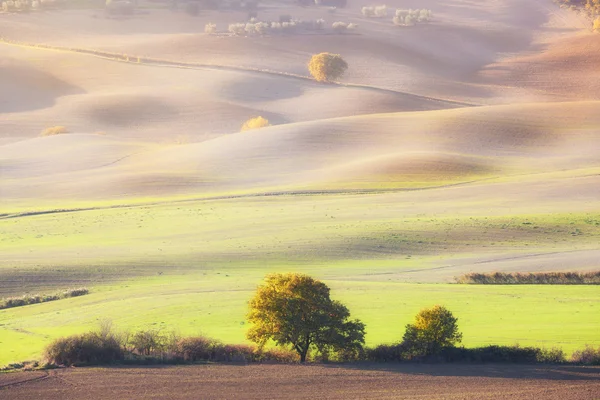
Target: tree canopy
[
  {"x": 296, "y": 310},
  {"x": 326, "y": 67},
  {"x": 434, "y": 329}
]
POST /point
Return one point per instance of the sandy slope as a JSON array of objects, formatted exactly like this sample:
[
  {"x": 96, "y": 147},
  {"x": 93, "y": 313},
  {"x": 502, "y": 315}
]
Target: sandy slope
[{"x": 386, "y": 150}]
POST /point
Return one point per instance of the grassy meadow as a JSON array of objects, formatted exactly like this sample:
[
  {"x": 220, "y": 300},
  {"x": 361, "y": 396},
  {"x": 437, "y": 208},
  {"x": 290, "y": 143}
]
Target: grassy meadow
[{"x": 201, "y": 262}]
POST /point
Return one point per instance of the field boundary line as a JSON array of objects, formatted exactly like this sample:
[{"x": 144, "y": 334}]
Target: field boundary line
[
  {"x": 157, "y": 62},
  {"x": 25, "y": 381}
]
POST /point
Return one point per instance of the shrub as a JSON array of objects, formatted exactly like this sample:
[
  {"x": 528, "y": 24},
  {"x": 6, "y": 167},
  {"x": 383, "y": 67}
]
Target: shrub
[
  {"x": 597, "y": 25},
  {"x": 588, "y": 355},
  {"x": 410, "y": 17},
  {"x": 261, "y": 28},
  {"x": 255, "y": 123},
  {"x": 89, "y": 348},
  {"x": 375, "y": 12},
  {"x": 434, "y": 329},
  {"x": 210, "y": 28},
  {"x": 326, "y": 67},
  {"x": 237, "y": 29},
  {"x": 54, "y": 130},
  {"x": 278, "y": 355},
  {"x": 193, "y": 349},
  {"x": 339, "y": 27},
  {"x": 149, "y": 342}
]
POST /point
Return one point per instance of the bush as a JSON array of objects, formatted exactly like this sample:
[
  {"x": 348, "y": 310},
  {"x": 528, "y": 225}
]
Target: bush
[
  {"x": 597, "y": 25},
  {"x": 326, "y": 67},
  {"x": 54, "y": 130},
  {"x": 89, "y": 348},
  {"x": 255, "y": 123},
  {"x": 411, "y": 17},
  {"x": 210, "y": 28},
  {"x": 375, "y": 12},
  {"x": 278, "y": 355},
  {"x": 192, "y": 349},
  {"x": 588, "y": 355},
  {"x": 237, "y": 29},
  {"x": 339, "y": 27}
]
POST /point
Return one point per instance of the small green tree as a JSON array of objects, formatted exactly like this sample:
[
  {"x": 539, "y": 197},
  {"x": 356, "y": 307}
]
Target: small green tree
[
  {"x": 434, "y": 329},
  {"x": 326, "y": 67},
  {"x": 296, "y": 310}
]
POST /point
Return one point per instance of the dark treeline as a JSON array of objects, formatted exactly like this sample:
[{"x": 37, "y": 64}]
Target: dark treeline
[{"x": 537, "y": 278}]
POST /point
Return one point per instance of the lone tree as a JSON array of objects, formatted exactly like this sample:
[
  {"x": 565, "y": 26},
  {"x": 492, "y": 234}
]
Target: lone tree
[
  {"x": 295, "y": 309},
  {"x": 255, "y": 123},
  {"x": 325, "y": 67},
  {"x": 434, "y": 329}
]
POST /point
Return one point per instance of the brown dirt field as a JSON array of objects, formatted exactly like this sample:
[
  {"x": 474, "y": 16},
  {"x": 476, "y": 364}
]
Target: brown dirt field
[{"x": 312, "y": 381}]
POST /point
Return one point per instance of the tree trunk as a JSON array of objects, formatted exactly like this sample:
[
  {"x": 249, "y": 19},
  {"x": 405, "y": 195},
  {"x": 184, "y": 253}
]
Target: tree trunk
[{"x": 303, "y": 355}]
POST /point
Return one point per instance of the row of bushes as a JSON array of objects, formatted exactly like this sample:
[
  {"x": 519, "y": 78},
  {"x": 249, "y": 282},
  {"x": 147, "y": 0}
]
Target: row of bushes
[
  {"x": 537, "y": 278},
  {"x": 36, "y": 298},
  {"x": 255, "y": 27},
  {"x": 403, "y": 17},
  {"x": 154, "y": 347}
]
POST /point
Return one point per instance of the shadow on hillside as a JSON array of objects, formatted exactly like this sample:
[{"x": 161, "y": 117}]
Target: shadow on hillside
[{"x": 506, "y": 371}]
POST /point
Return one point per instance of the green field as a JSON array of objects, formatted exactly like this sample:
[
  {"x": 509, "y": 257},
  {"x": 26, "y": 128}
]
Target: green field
[
  {"x": 191, "y": 267},
  {"x": 214, "y": 304}
]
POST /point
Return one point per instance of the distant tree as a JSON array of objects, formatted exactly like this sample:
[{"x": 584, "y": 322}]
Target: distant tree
[
  {"x": 597, "y": 25},
  {"x": 296, "y": 310},
  {"x": 325, "y": 67},
  {"x": 434, "y": 329},
  {"x": 255, "y": 123}
]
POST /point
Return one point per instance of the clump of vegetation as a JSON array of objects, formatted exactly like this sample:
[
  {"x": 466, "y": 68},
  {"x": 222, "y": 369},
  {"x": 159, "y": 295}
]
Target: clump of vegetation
[
  {"x": 255, "y": 123},
  {"x": 588, "y": 356},
  {"x": 325, "y": 67},
  {"x": 87, "y": 349},
  {"x": 375, "y": 11},
  {"x": 596, "y": 26},
  {"x": 296, "y": 310},
  {"x": 433, "y": 330},
  {"x": 534, "y": 278},
  {"x": 341, "y": 27},
  {"x": 411, "y": 17},
  {"x": 54, "y": 130},
  {"x": 35, "y": 299},
  {"x": 210, "y": 28}
]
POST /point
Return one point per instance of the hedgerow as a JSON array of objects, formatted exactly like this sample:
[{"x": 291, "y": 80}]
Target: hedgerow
[
  {"x": 28, "y": 299},
  {"x": 534, "y": 278}
]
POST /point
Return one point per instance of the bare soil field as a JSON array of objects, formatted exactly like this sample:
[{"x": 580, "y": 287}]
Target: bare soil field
[{"x": 308, "y": 382}]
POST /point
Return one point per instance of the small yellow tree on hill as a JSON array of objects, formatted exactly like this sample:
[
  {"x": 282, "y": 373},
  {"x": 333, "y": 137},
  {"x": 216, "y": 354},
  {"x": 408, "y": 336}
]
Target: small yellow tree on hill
[
  {"x": 325, "y": 67},
  {"x": 597, "y": 25},
  {"x": 255, "y": 123}
]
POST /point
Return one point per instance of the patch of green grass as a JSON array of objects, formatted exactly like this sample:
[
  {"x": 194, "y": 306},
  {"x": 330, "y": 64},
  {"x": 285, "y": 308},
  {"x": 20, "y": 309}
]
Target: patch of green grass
[{"x": 214, "y": 304}]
